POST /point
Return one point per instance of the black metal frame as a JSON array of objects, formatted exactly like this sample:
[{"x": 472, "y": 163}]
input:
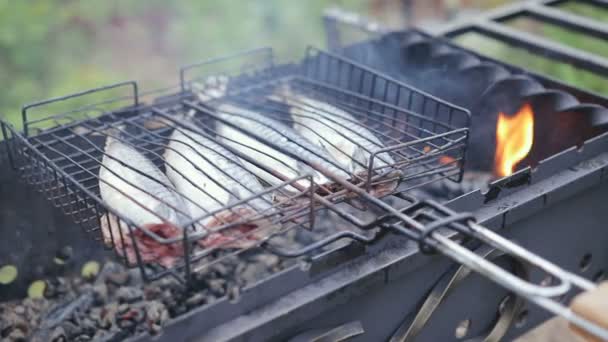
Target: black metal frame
[
  {"x": 491, "y": 25},
  {"x": 54, "y": 162}
]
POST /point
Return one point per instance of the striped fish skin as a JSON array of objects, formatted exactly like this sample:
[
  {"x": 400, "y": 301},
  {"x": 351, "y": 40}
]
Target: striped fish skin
[
  {"x": 265, "y": 155},
  {"x": 337, "y": 131},
  {"x": 267, "y": 130},
  {"x": 134, "y": 188},
  {"x": 257, "y": 124},
  {"x": 210, "y": 177}
]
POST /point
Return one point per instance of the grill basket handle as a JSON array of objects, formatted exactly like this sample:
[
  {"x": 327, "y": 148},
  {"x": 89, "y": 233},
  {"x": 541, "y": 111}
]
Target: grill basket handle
[{"x": 546, "y": 297}]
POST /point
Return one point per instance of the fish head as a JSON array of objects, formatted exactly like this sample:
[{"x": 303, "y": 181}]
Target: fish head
[{"x": 240, "y": 228}]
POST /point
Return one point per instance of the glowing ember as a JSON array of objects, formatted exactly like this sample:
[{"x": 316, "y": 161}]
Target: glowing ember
[
  {"x": 444, "y": 160},
  {"x": 514, "y": 138}
]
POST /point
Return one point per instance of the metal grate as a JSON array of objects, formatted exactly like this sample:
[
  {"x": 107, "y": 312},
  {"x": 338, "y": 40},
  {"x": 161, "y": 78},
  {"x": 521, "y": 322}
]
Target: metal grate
[
  {"x": 199, "y": 111},
  {"x": 424, "y": 137}
]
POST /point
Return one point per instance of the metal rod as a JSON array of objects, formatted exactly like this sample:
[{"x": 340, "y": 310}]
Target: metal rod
[
  {"x": 566, "y": 54},
  {"x": 566, "y": 19}
]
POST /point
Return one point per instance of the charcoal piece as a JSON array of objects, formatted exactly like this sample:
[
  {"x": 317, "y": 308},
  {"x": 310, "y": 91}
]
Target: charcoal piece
[
  {"x": 126, "y": 324},
  {"x": 195, "y": 300},
  {"x": 129, "y": 294},
  {"x": 219, "y": 268},
  {"x": 82, "y": 338},
  {"x": 108, "y": 316},
  {"x": 58, "y": 335},
  {"x": 16, "y": 335},
  {"x": 217, "y": 286},
  {"x": 62, "y": 311},
  {"x": 56, "y": 287},
  {"x": 19, "y": 310},
  {"x": 65, "y": 253},
  {"x": 152, "y": 292},
  {"x": 156, "y": 313},
  {"x": 154, "y": 329},
  {"x": 268, "y": 260},
  {"x": 100, "y": 294},
  {"x": 118, "y": 278},
  {"x": 129, "y": 316},
  {"x": 233, "y": 292},
  {"x": 95, "y": 314},
  {"x": 11, "y": 321},
  {"x": 110, "y": 336},
  {"x": 71, "y": 330},
  {"x": 110, "y": 272},
  {"x": 88, "y": 326},
  {"x": 251, "y": 272}
]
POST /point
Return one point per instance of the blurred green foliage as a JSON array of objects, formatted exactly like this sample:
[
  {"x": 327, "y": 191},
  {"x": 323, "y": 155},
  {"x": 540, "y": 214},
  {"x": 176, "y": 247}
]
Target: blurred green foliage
[
  {"x": 586, "y": 10},
  {"x": 520, "y": 57},
  {"x": 56, "y": 47},
  {"x": 561, "y": 71},
  {"x": 563, "y": 35}
]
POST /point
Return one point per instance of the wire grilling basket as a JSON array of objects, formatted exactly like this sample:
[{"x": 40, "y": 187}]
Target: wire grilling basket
[{"x": 256, "y": 179}]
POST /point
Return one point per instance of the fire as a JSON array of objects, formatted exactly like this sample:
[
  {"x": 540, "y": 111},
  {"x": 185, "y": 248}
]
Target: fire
[{"x": 514, "y": 138}]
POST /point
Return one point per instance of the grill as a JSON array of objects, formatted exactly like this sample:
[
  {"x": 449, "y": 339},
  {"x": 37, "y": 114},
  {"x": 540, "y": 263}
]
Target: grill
[
  {"x": 308, "y": 217},
  {"x": 65, "y": 161}
]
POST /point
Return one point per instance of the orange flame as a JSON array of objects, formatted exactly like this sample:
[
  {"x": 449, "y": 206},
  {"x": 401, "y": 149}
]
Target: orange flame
[{"x": 514, "y": 138}]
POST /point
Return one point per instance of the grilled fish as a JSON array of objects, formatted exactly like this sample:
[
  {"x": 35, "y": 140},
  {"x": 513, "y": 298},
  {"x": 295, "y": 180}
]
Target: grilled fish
[
  {"x": 340, "y": 134},
  {"x": 256, "y": 135},
  {"x": 134, "y": 188},
  {"x": 210, "y": 177},
  {"x": 267, "y": 134}
]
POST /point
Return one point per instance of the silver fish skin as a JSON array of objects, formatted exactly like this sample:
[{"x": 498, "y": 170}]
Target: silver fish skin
[
  {"x": 211, "y": 177},
  {"x": 279, "y": 162},
  {"x": 208, "y": 175},
  {"x": 214, "y": 87},
  {"x": 337, "y": 131},
  {"x": 145, "y": 197},
  {"x": 268, "y": 130}
]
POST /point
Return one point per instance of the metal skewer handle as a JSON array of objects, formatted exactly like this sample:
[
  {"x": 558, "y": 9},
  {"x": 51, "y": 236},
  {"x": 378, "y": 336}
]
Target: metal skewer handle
[{"x": 547, "y": 297}]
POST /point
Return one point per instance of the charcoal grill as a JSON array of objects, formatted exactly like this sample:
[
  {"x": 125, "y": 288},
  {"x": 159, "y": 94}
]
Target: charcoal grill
[
  {"x": 326, "y": 296},
  {"x": 64, "y": 161},
  {"x": 503, "y": 87}
]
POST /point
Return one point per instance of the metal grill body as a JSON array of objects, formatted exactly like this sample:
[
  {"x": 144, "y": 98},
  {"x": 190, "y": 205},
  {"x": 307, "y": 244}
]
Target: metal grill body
[{"x": 352, "y": 290}]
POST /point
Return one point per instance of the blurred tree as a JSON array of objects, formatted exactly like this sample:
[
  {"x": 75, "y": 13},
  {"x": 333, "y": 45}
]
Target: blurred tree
[{"x": 55, "y": 47}]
